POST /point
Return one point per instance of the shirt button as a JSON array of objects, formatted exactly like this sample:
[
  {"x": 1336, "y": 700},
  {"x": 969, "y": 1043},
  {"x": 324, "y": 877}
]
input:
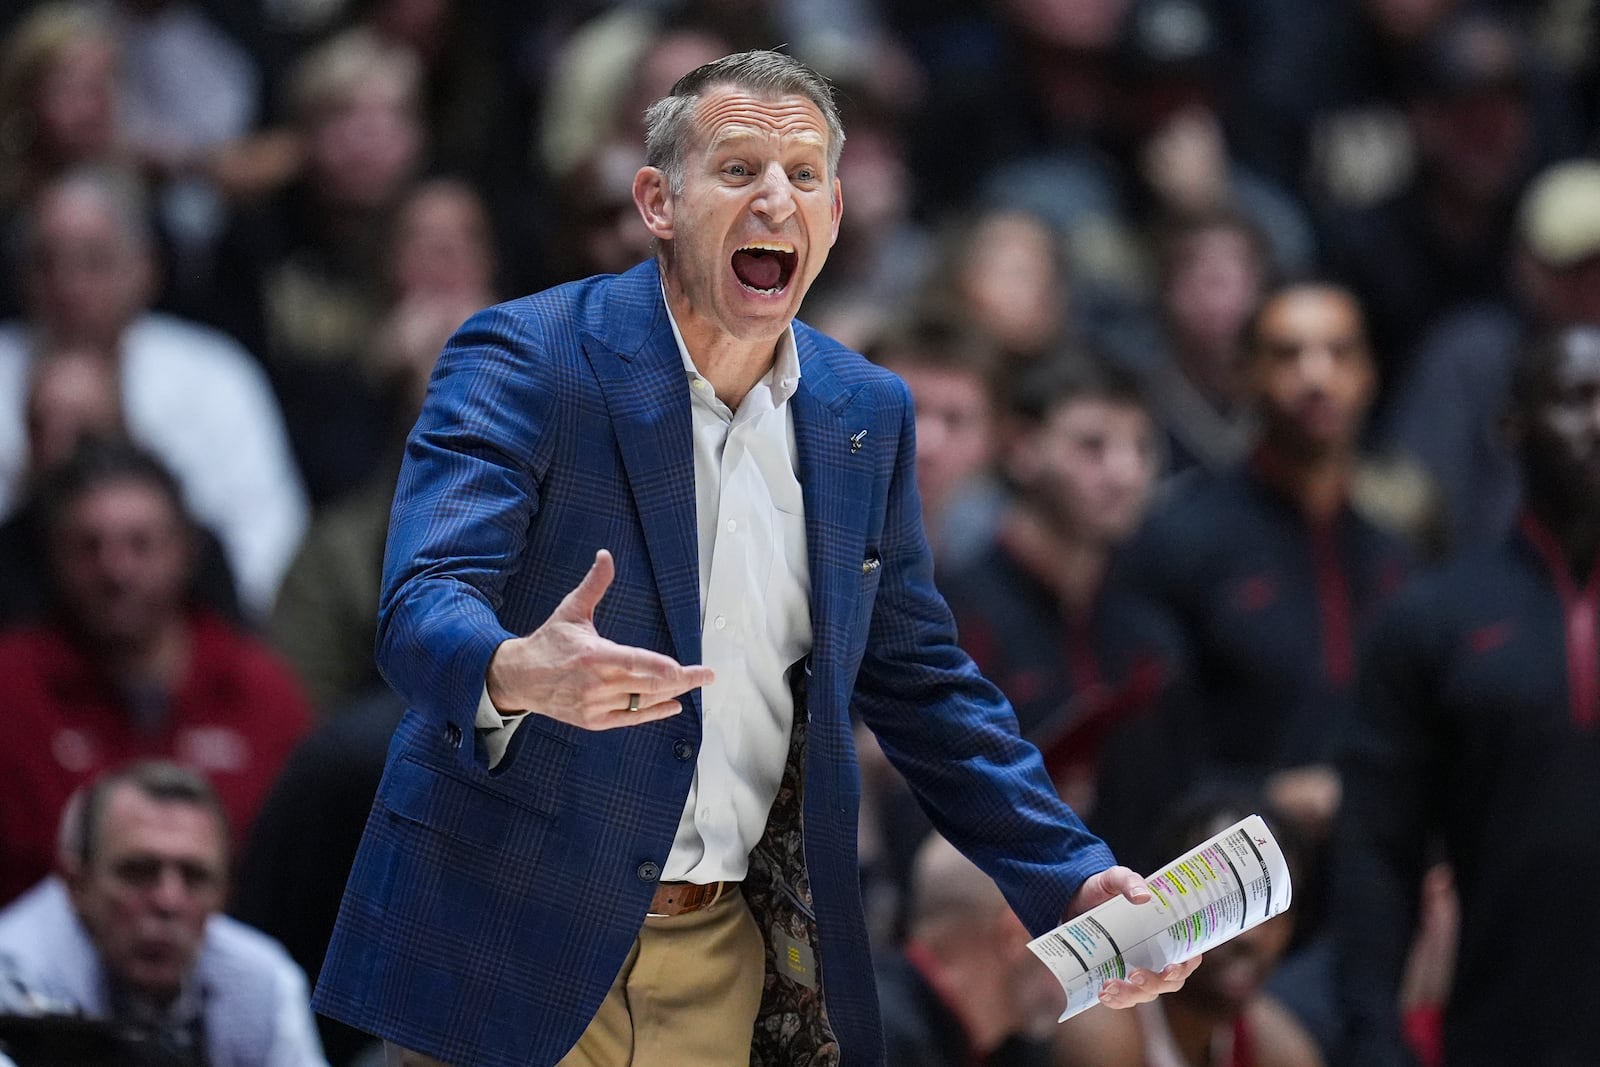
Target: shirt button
[
  {"x": 682, "y": 749},
  {"x": 648, "y": 871},
  {"x": 721, "y": 622},
  {"x": 733, "y": 525},
  {"x": 452, "y": 735}
]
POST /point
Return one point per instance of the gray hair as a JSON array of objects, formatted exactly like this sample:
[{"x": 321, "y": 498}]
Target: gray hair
[
  {"x": 156, "y": 779},
  {"x": 669, "y": 122}
]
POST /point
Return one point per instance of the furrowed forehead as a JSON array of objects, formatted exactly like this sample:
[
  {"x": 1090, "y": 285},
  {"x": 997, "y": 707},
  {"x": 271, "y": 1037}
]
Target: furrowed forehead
[{"x": 727, "y": 115}]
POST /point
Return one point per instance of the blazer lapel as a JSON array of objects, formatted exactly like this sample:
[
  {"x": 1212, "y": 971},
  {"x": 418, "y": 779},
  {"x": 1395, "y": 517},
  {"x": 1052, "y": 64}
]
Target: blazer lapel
[
  {"x": 641, "y": 375},
  {"x": 836, "y": 481}
]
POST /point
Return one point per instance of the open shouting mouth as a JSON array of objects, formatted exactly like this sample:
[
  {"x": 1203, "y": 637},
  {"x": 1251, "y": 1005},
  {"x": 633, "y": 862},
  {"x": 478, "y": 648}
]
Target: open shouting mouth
[{"x": 765, "y": 266}]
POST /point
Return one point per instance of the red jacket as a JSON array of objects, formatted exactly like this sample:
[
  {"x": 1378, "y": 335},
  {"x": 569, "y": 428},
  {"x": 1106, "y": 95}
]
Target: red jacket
[{"x": 235, "y": 716}]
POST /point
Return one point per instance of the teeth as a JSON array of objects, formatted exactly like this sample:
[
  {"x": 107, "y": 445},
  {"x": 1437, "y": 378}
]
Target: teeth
[{"x": 769, "y": 246}]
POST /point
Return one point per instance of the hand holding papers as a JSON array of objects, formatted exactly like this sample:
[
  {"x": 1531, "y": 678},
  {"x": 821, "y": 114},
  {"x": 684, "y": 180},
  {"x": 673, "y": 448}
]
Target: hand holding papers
[{"x": 1234, "y": 881}]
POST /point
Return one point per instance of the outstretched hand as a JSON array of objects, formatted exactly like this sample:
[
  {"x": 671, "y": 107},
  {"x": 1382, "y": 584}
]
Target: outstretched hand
[
  {"x": 1142, "y": 984},
  {"x": 566, "y": 670}
]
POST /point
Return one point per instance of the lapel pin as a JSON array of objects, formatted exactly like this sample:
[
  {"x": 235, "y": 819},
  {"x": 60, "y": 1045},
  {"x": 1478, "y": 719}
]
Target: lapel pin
[{"x": 855, "y": 441}]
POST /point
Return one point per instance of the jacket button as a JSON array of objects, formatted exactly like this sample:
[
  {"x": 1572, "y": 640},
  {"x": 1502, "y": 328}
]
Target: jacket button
[
  {"x": 648, "y": 871},
  {"x": 682, "y": 748},
  {"x": 452, "y": 735}
]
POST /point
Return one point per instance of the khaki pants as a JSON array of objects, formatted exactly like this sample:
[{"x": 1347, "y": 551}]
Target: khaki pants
[{"x": 686, "y": 996}]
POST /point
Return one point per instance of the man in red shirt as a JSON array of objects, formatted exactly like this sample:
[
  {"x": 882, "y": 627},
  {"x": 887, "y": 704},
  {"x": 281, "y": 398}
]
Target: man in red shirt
[{"x": 127, "y": 668}]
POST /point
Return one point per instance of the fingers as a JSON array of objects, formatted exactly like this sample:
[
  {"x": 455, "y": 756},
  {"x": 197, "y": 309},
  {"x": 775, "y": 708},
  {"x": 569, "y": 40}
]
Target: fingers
[
  {"x": 637, "y": 670},
  {"x": 1111, "y": 882},
  {"x": 614, "y": 717},
  {"x": 1144, "y": 985},
  {"x": 567, "y": 670},
  {"x": 581, "y": 602},
  {"x": 1125, "y": 882}
]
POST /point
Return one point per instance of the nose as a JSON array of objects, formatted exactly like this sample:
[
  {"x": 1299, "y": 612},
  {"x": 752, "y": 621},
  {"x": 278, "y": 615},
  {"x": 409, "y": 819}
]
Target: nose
[
  {"x": 169, "y": 893},
  {"x": 1127, "y": 463},
  {"x": 774, "y": 200},
  {"x": 119, "y": 560},
  {"x": 1316, "y": 364}
]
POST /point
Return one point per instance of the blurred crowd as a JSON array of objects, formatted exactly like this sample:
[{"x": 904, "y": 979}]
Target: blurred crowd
[{"x": 1215, "y": 315}]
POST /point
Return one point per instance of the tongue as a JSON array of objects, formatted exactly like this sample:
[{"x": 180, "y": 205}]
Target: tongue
[{"x": 758, "y": 270}]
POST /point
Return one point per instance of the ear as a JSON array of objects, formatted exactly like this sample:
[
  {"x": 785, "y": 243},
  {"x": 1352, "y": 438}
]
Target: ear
[
  {"x": 838, "y": 210},
  {"x": 76, "y": 877},
  {"x": 652, "y": 195}
]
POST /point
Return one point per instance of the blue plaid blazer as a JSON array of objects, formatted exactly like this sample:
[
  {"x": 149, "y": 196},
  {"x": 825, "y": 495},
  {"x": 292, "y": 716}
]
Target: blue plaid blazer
[{"x": 489, "y": 910}]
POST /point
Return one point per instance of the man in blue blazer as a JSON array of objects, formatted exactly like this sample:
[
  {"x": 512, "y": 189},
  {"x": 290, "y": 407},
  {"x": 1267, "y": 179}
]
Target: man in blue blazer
[{"x": 653, "y": 541}]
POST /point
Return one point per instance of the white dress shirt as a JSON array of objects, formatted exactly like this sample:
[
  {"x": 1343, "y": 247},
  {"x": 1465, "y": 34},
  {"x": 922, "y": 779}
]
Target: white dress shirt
[{"x": 755, "y": 616}]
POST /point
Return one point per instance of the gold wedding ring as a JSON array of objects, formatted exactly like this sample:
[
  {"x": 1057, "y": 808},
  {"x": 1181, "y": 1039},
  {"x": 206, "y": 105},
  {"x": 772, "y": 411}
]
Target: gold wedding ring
[{"x": 633, "y": 701}]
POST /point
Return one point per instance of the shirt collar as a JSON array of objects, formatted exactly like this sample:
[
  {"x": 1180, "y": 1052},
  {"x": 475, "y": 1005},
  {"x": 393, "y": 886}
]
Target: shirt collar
[{"x": 782, "y": 379}]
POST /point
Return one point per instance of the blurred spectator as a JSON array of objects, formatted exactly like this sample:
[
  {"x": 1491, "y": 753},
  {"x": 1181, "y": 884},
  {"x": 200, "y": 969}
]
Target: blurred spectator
[
  {"x": 1222, "y": 1016},
  {"x": 1034, "y": 79},
  {"x": 131, "y": 668},
  {"x": 439, "y": 248},
  {"x": 1084, "y": 661},
  {"x": 1442, "y": 238},
  {"x": 441, "y": 266},
  {"x": 1170, "y": 125},
  {"x": 1212, "y": 270},
  {"x": 1477, "y": 727},
  {"x": 1004, "y": 272},
  {"x": 1448, "y": 411},
  {"x": 949, "y": 370},
  {"x": 1321, "y": 94},
  {"x": 965, "y": 989},
  {"x": 304, "y": 271},
  {"x": 58, "y": 96},
  {"x": 883, "y": 256},
  {"x": 1086, "y": 664},
  {"x": 58, "y": 111},
  {"x": 1272, "y": 571},
  {"x": 130, "y": 931},
  {"x": 304, "y": 841},
  {"x": 188, "y": 393},
  {"x": 1269, "y": 571},
  {"x": 185, "y": 85},
  {"x": 609, "y": 71},
  {"x": 185, "y": 89},
  {"x": 1357, "y": 80},
  {"x": 148, "y": 84},
  {"x": 592, "y": 133},
  {"x": 72, "y": 395},
  {"x": 468, "y": 101},
  {"x": 601, "y": 232}
]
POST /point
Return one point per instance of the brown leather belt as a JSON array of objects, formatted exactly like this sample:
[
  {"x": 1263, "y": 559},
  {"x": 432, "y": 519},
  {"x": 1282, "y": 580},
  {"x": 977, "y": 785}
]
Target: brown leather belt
[{"x": 680, "y": 898}]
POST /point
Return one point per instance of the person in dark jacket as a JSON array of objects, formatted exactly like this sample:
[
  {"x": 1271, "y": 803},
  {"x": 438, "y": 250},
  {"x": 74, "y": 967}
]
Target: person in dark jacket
[{"x": 1479, "y": 726}]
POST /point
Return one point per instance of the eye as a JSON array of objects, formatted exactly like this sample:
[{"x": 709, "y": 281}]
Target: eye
[
  {"x": 805, "y": 174},
  {"x": 139, "y": 872},
  {"x": 197, "y": 876},
  {"x": 736, "y": 170}
]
